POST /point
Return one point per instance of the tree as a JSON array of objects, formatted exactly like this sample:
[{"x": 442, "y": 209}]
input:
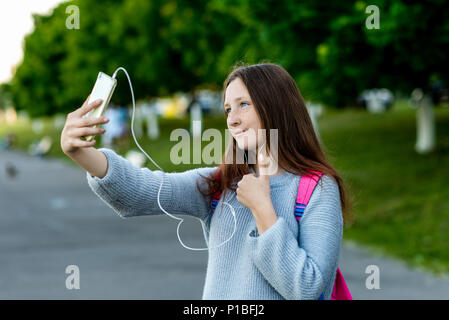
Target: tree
[
  {"x": 5, "y": 95},
  {"x": 166, "y": 46},
  {"x": 182, "y": 45},
  {"x": 406, "y": 52},
  {"x": 36, "y": 85}
]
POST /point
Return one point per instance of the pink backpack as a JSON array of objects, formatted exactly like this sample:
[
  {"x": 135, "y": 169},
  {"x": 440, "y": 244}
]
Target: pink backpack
[{"x": 307, "y": 184}]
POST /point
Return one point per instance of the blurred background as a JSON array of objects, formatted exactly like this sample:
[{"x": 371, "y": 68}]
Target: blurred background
[{"x": 374, "y": 75}]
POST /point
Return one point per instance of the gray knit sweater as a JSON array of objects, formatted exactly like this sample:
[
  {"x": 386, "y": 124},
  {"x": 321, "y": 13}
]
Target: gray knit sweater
[{"x": 287, "y": 261}]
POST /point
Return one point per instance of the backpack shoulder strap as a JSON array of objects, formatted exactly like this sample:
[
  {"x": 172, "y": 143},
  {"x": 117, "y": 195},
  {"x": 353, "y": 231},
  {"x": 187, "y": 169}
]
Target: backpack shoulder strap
[{"x": 307, "y": 184}]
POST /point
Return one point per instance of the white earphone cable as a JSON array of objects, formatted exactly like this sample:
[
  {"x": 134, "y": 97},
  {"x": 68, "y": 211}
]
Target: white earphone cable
[{"x": 163, "y": 174}]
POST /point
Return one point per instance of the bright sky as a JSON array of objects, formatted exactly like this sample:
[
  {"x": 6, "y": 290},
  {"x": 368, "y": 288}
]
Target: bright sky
[{"x": 15, "y": 22}]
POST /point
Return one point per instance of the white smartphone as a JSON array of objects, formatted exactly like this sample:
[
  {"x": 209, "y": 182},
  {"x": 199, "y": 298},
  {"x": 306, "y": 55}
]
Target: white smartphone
[{"x": 103, "y": 89}]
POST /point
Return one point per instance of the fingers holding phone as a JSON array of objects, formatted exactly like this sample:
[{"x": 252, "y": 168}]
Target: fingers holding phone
[
  {"x": 81, "y": 124},
  {"x": 78, "y": 126}
]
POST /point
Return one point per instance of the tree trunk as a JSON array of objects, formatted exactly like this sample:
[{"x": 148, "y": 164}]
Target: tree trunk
[{"x": 425, "y": 125}]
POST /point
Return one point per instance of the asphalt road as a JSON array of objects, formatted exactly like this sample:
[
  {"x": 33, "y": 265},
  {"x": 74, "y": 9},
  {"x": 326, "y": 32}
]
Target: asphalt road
[{"x": 50, "y": 219}]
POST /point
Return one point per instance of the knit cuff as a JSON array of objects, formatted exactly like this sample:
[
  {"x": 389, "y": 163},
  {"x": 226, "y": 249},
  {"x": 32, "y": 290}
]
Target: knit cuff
[
  {"x": 258, "y": 240},
  {"x": 273, "y": 239},
  {"x": 108, "y": 185},
  {"x": 94, "y": 181}
]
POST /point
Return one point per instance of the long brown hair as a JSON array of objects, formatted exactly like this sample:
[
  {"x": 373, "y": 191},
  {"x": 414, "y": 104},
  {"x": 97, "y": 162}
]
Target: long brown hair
[{"x": 279, "y": 105}]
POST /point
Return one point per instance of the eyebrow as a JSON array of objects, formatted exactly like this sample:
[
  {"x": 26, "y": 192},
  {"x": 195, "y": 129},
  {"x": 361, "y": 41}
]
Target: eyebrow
[{"x": 237, "y": 99}]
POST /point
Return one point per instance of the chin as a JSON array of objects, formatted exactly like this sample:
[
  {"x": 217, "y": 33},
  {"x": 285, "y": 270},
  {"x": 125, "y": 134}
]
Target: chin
[
  {"x": 248, "y": 140},
  {"x": 243, "y": 144}
]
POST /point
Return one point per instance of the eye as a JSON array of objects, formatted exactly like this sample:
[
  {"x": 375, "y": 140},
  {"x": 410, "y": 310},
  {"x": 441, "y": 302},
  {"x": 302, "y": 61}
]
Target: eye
[{"x": 243, "y": 104}]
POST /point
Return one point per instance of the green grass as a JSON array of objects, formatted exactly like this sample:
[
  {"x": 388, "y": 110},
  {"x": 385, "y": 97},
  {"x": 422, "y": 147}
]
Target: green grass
[{"x": 401, "y": 199}]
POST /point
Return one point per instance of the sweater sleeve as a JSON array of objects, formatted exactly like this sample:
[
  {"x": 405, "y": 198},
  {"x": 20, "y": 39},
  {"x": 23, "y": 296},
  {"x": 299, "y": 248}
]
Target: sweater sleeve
[
  {"x": 133, "y": 191},
  {"x": 302, "y": 270}
]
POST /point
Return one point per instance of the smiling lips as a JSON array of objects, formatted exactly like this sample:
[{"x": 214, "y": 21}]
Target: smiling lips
[{"x": 240, "y": 132}]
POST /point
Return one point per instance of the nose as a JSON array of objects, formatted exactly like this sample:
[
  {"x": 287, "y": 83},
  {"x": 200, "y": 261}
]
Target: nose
[{"x": 233, "y": 119}]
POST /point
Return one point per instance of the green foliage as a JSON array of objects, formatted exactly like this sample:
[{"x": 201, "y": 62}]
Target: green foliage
[
  {"x": 400, "y": 198},
  {"x": 36, "y": 86},
  {"x": 5, "y": 95},
  {"x": 413, "y": 41},
  {"x": 182, "y": 45},
  {"x": 166, "y": 46},
  {"x": 407, "y": 51}
]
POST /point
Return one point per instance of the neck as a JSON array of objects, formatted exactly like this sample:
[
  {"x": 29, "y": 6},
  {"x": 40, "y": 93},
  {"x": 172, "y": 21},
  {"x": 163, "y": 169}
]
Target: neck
[{"x": 277, "y": 173}]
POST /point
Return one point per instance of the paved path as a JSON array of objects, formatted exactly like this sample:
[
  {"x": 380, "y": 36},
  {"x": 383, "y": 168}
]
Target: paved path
[{"x": 50, "y": 219}]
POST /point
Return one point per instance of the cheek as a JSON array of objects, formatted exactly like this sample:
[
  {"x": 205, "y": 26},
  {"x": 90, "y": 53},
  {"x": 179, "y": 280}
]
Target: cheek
[{"x": 251, "y": 120}]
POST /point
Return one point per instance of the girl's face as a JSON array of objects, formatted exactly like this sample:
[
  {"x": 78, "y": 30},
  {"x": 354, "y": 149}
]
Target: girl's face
[{"x": 242, "y": 116}]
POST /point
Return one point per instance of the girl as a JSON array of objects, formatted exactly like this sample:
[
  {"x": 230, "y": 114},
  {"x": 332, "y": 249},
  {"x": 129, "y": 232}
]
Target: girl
[{"x": 270, "y": 255}]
